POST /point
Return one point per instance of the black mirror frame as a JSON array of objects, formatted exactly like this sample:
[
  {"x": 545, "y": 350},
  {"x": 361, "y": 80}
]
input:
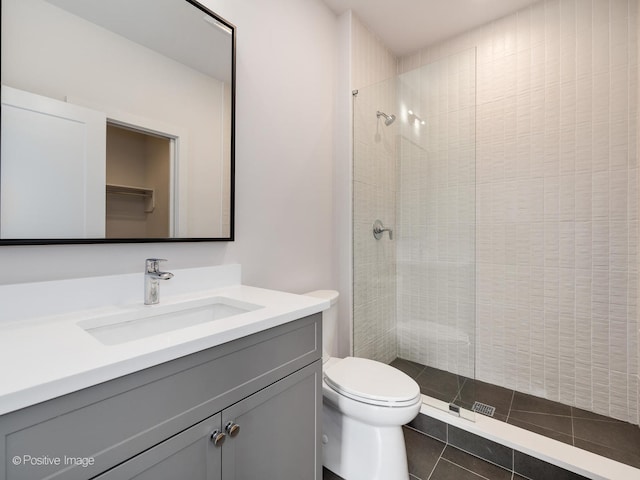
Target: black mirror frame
[{"x": 231, "y": 237}]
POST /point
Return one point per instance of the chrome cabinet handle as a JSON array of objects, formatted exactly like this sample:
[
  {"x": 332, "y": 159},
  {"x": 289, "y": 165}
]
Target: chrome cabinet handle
[
  {"x": 217, "y": 437},
  {"x": 232, "y": 429},
  {"x": 379, "y": 229}
]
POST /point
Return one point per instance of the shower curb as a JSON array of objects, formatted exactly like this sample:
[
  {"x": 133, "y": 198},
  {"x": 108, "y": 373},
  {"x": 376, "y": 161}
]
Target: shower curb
[{"x": 525, "y": 453}]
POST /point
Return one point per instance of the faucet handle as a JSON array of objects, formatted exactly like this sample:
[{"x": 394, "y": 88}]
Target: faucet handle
[
  {"x": 153, "y": 264},
  {"x": 379, "y": 229}
]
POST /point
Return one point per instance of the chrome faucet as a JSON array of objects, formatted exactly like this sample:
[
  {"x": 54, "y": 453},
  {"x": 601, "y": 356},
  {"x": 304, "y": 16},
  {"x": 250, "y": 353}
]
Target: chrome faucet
[{"x": 152, "y": 275}]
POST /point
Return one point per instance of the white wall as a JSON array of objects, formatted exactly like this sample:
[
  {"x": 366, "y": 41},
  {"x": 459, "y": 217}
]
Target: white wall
[{"x": 284, "y": 139}]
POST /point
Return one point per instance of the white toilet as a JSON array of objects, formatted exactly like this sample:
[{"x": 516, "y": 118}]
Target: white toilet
[{"x": 365, "y": 404}]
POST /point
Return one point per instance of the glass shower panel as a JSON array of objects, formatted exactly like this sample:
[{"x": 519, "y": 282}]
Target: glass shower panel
[
  {"x": 436, "y": 215},
  {"x": 374, "y": 190},
  {"x": 414, "y": 295}
]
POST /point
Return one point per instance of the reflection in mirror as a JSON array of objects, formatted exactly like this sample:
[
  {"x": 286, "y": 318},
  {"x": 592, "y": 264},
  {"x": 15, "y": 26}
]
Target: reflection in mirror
[
  {"x": 125, "y": 135},
  {"x": 138, "y": 184}
]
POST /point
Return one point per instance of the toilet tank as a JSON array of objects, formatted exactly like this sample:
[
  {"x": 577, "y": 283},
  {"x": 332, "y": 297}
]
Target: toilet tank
[{"x": 329, "y": 323}]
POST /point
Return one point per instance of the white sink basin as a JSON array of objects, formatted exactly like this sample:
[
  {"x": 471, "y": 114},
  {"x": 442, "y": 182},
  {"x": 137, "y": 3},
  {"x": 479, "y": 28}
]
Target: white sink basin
[{"x": 145, "y": 321}]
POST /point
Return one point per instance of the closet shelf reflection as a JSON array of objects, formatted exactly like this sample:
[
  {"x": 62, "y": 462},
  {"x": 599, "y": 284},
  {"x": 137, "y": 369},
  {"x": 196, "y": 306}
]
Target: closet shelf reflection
[{"x": 146, "y": 193}]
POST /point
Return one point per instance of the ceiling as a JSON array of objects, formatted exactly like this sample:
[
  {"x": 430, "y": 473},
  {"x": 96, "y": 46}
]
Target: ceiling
[
  {"x": 207, "y": 48},
  {"x": 405, "y": 26}
]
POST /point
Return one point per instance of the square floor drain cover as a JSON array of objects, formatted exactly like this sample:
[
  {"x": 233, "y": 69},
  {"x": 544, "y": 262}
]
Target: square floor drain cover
[{"x": 484, "y": 409}]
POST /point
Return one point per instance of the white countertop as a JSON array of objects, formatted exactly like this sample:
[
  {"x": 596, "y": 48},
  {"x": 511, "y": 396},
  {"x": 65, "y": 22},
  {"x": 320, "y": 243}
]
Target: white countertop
[{"x": 45, "y": 356}]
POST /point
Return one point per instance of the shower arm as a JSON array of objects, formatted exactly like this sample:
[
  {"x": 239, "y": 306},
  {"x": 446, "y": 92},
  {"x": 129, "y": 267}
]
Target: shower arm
[{"x": 388, "y": 119}]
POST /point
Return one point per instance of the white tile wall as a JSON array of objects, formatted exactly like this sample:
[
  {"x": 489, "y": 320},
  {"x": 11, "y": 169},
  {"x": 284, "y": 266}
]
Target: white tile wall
[
  {"x": 436, "y": 215},
  {"x": 634, "y": 284},
  {"x": 557, "y": 207},
  {"x": 374, "y": 184}
]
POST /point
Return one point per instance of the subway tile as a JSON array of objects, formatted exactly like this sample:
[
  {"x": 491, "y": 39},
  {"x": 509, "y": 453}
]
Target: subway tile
[{"x": 567, "y": 245}]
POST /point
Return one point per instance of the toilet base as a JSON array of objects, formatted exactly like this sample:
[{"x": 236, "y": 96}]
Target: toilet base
[{"x": 359, "y": 451}]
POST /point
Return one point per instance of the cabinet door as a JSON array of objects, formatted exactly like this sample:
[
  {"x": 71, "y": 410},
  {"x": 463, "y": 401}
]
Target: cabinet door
[
  {"x": 188, "y": 455},
  {"x": 279, "y": 431}
]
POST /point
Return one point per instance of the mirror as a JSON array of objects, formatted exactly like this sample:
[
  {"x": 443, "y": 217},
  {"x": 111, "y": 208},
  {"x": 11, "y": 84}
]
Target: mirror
[{"x": 117, "y": 122}]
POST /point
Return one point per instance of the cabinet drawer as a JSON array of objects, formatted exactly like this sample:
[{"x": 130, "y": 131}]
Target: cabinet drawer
[{"x": 114, "y": 421}]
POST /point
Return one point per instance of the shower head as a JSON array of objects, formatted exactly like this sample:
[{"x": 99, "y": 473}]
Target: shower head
[{"x": 388, "y": 119}]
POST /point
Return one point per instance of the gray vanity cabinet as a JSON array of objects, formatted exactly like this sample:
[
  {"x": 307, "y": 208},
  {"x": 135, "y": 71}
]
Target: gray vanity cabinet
[
  {"x": 158, "y": 423},
  {"x": 271, "y": 440}
]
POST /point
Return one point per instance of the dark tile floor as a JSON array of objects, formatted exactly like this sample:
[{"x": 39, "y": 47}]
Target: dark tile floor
[
  {"x": 602, "y": 435},
  {"x": 431, "y": 459}
]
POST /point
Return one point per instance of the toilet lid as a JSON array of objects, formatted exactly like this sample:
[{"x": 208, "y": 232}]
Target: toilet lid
[{"x": 372, "y": 382}]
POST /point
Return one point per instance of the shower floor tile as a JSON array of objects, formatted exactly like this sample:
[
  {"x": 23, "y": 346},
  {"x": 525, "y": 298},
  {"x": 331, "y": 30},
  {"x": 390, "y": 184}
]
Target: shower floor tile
[
  {"x": 475, "y": 390},
  {"x": 440, "y": 384},
  {"x": 596, "y": 433}
]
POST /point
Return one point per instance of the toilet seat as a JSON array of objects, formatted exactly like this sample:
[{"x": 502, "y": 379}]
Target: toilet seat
[{"x": 372, "y": 382}]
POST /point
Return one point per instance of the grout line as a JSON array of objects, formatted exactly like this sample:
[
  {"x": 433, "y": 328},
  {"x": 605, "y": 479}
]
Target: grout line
[
  {"x": 486, "y": 460},
  {"x": 435, "y": 465},
  {"x": 513, "y": 394},
  {"x": 541, "y": 430},
  {"x": 425, "y": 434},
  {"x": 446, "y": 434},
  {"x": 607, "y": 420},
  {"x": 543, "y": 413},
  {"x": 458, "y": 393},
  {"x": 573, "y": 431},
  {"x": 466, "y": 469}
]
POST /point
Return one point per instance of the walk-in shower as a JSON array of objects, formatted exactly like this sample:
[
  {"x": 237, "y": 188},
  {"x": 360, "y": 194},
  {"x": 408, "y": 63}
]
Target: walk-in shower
[
  {"x": 414, "y": 292},
  {"x": 510, "y": 180}
]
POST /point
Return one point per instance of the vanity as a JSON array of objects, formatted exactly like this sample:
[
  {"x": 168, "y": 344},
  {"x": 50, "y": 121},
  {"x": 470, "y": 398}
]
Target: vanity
[
  {"x": 101, "y": 377},
  {"x": 235, "y": 394}
]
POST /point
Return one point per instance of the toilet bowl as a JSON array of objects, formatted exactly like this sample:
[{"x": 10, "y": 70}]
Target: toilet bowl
[{"x": 365, "y": 404}]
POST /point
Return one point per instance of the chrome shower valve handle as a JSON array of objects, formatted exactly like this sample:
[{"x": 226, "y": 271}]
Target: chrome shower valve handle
[{"x": 379, "y": 229}]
